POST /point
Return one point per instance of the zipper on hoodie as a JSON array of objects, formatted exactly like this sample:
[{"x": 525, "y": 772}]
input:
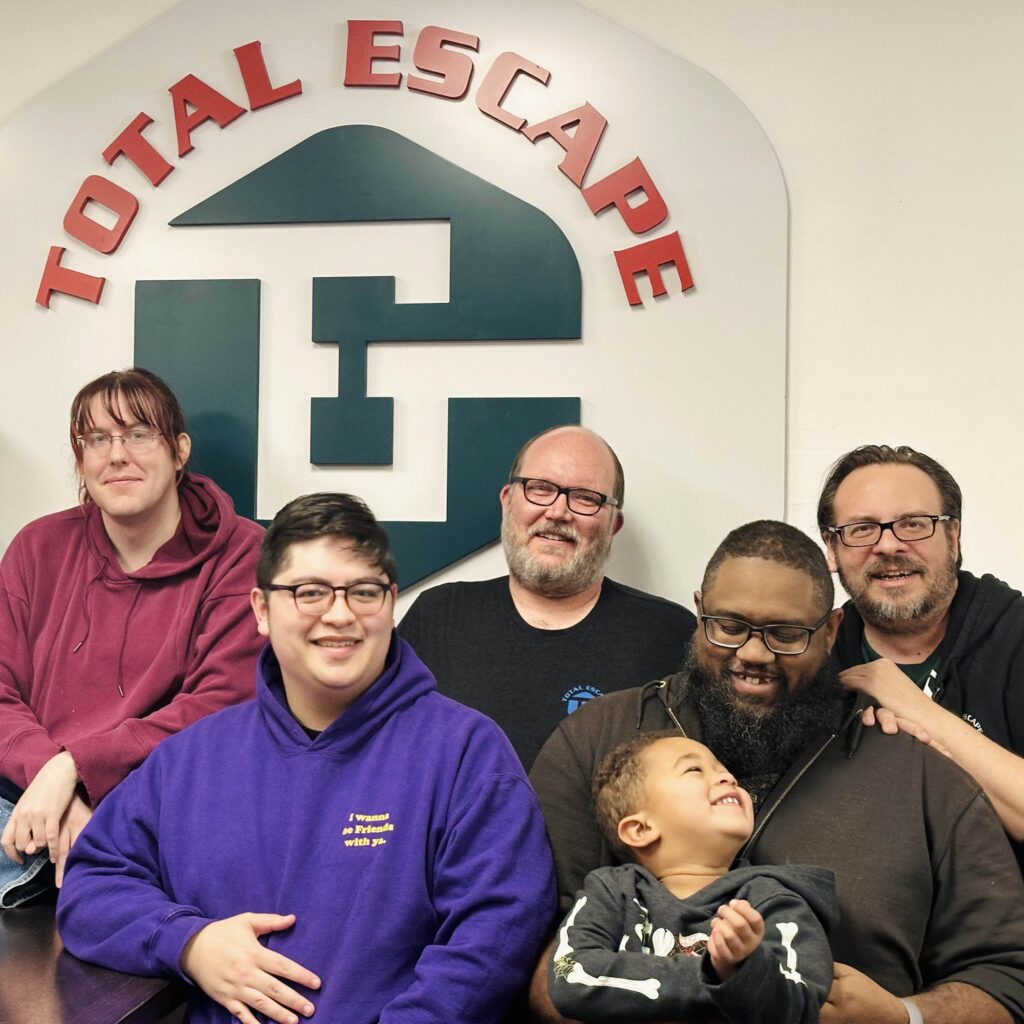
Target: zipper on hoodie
[
  {"x": 661, "y": 687},
  {"x": 782, "y": 796}
]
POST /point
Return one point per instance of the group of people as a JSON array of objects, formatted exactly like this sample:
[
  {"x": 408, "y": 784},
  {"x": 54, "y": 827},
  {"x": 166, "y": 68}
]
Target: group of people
[{"x": 775, "y": 810}]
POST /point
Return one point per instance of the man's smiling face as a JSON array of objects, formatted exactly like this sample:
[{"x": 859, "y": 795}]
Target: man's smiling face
[
  {"x": 894, "y": 584},
  {"x": 330, "y": 659},
  {"x": 550, "y": 549},
  {"x": 763, "y": 592}
]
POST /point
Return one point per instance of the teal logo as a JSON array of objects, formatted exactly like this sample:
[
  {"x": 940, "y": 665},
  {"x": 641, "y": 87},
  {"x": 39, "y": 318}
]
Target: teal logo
[
  {"x": 578, "y": 696},
  {"x": 513, "y": 276}
]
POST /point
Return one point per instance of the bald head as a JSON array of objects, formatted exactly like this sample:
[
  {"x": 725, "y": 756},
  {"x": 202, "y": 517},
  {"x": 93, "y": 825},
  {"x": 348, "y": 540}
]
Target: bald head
[
  {"x": 553, "y": 550},
  {"x": 571, "y": 444}
]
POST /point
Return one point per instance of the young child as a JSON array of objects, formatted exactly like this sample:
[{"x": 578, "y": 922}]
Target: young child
[{"x": 676, "y": 934}]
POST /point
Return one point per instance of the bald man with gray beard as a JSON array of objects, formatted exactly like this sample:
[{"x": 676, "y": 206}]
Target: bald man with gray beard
[{"x": 529, "y": 648}]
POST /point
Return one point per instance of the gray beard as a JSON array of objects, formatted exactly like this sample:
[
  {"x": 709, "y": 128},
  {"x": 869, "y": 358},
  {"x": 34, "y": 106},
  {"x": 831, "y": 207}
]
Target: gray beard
[
  {"x": 895, "y": 616},
  {"x": 753, "y": 742},
  {"x": 573, "y": 576}
]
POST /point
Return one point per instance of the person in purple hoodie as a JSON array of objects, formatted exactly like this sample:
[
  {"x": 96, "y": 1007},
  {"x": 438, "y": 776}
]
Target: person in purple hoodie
[
  {"x": 122, "y": 620},
  {"x": 351, "y": 843}
]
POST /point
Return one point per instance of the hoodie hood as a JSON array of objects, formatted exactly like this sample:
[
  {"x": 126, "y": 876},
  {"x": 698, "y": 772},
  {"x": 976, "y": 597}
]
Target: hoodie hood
[
  {"x": 978, "y": 606},
  {"x": 404, "y": 681},
  {"x": 816, "y": 886},
  {"x": 205, "y": 529}
]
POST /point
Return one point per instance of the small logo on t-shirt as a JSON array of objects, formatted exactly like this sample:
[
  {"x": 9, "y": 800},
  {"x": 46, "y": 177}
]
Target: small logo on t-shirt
[
  {"x": 578, "y": 696},
  {"x": 971, "y": 720}
]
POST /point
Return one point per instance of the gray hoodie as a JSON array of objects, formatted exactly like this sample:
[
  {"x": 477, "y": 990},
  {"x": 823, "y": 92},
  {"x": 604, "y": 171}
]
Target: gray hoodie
[{"x": 630, "y": 949}]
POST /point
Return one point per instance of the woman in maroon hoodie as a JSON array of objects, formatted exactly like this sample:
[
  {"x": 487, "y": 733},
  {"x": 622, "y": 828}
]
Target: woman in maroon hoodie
[{"x": 121, "y": 620}]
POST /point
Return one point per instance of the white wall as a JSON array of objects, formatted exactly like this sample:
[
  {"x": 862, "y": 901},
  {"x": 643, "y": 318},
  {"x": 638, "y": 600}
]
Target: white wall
[{"x": 899, "y": 131}]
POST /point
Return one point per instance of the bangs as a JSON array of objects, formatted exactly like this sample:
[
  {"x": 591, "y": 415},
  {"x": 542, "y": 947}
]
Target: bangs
[{"x": 124, "y": 397}]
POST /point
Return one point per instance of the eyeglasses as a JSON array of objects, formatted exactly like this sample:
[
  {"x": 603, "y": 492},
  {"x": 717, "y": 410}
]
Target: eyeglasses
[
  {"x": 135, "y": 440},
  {"x": 580, "y": 500},
  {"x": 909, "y": 528},
  {"x": 778, "y": 637},
  {"x": 365, "y": 598}
]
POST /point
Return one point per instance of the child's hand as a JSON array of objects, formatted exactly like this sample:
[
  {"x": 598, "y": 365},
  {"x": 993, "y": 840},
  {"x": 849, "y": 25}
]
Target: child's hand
[{"x": 736, "y": 932}]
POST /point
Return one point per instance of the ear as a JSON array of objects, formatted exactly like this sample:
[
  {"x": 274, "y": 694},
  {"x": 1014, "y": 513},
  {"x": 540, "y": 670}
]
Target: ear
[
  {"x": 953, "y": 527},
  {"x": 260, "y": 608},
  {"x": 696, "y": 601},
  {"x": 617, "y": 524},
  {"x": 184, "y": 449},
  {"x": 830, "y": 541},
  {"x": 503, "y": 495},
  {"x": 637, "y": 831},
  {"x": 831, "y": 627}
]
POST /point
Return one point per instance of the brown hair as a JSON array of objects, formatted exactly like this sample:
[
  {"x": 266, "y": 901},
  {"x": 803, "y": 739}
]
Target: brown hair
[
  {"x": 950, "y": 498},
  {"x": 618, "y": 786},
  {"x": 141, "y": 395},
  {"x": 326, "y": 514}
]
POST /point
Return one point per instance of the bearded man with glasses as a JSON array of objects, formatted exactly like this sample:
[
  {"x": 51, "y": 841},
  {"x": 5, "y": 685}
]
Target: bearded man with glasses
[
  {"x": 930, "y": 898},
  {"x": 938, "y": 649},
  {"x": 122, "y": 620},
  {"x": 531, "y": 647}
]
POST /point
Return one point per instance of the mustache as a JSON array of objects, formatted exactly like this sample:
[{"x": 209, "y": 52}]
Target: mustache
[
  {"x": 894, "y": 564},
  {"x": 740, "y": 667},
  {"x": 561, "y": 530}
]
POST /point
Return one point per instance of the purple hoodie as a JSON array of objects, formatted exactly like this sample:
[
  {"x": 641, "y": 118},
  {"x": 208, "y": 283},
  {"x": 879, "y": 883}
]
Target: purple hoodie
[{"x": 405, "y": 839}]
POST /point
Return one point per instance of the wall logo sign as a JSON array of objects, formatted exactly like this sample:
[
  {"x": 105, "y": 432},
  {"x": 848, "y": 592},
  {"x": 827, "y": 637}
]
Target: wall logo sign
[
  {"x": 362, "y": 173},
  {"x": 439, "y": 52},
  {"x": 376, "y": 255}
]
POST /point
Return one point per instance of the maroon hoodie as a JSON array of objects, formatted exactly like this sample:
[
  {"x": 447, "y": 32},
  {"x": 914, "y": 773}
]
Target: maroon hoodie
[{"x": 104, "y": 663}]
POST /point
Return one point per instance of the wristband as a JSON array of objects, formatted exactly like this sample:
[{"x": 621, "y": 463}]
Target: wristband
[{"x": 913, "y": 1013}]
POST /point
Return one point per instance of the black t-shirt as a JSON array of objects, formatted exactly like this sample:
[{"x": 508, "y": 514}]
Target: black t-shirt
[{"x": 483, "y": 654}]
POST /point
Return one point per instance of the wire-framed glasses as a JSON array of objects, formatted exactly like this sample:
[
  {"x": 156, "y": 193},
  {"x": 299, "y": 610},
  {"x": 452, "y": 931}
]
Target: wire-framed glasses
[
  {"x": 138, "y": 439},
  {"x": 363, "y": 598}
]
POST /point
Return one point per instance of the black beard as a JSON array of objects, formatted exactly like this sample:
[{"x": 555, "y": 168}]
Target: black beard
[{"x": 758, "y": 743}]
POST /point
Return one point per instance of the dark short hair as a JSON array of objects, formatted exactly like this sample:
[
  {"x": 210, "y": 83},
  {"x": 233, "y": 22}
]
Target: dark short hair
[
  {"x": 618, "y": 786},
  {"x": 327, "y": 514},
  {"x": 950, "y": 498},
  {"x": 141, "y": 394},
  {"x": 619, "y": 484},
  {"x": 776, "y": 542}
]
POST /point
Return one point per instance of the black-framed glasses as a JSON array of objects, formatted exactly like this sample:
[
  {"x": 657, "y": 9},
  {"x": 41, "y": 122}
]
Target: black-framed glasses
[
  {"x": 907, "y": 529},
  {"x": 138, "y": 439},
  {"x": 580, "y": 500},
  {"x": 364, "y": 598},
  {"x": 778, "y": 637}
]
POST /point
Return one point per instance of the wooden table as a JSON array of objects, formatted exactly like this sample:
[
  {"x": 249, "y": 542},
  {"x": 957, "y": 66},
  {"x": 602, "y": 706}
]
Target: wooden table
[{"x": 40, "y": 983}]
